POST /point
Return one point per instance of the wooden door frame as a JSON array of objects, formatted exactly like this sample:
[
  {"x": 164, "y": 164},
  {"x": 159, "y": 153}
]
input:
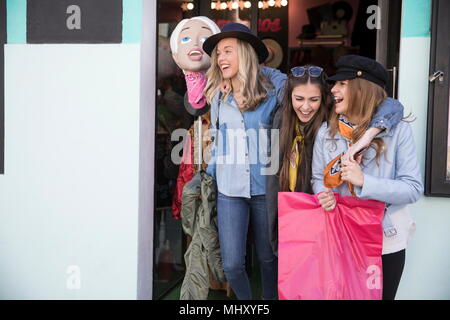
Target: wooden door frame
[
  {"x": 388, "y": 40},
  {"x": 2, "y": 83}
]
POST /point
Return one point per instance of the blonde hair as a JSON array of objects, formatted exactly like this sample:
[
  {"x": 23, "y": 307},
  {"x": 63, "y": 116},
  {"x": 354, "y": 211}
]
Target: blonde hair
[
  {"x": 254, "y": 85},
  {"x": 364, "y": 99}
]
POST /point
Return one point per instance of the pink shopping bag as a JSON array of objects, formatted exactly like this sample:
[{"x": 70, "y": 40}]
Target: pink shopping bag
[{"x": 329, "y": 255}]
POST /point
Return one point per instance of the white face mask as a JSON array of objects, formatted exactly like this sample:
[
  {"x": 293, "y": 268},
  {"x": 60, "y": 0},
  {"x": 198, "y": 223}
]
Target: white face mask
[{"x": 190, "y": 55}]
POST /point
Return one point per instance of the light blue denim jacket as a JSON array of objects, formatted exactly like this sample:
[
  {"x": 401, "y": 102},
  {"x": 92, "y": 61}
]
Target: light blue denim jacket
[
  {"x": 396, "y": 180},
  {"x": 241, "y": 145},
  {"x": 239, "y": 156}
]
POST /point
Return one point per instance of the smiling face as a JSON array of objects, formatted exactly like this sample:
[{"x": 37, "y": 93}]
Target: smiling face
[
  {"x": 190, "y": 55},
  {"x": 227, "y": 57},
  {"x": 306, "y": 101},
  {"x": 341, "y": 94}
]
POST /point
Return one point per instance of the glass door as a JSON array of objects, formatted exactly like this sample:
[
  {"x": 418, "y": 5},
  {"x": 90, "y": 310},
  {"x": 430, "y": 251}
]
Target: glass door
[
  {"x": 2, "y": 87},
  {"x": 437, "y": 176},
  {"x": 169, "y": 239}
]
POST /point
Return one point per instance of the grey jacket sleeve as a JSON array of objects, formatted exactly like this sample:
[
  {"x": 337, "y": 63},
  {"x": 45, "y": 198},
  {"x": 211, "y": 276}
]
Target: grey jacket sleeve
[
  {"x": 318, "y": 161},
  {"x": 407, "y": 186}
]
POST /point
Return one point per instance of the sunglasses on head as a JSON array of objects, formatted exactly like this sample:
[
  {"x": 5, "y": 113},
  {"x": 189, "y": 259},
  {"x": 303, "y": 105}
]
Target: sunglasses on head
[{"x": 312, "y": 71}]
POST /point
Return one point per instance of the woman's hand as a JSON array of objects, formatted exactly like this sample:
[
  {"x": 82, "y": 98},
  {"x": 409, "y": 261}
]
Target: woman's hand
[
  {"x": 327, "y": 200},
  {"x": 351, "y": 172},
  {"x": 361, "y": 144}
]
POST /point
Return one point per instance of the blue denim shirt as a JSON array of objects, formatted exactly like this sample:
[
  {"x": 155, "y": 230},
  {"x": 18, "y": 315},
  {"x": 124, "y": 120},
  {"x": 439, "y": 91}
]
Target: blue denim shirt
[{"x": 240, "y": 153}]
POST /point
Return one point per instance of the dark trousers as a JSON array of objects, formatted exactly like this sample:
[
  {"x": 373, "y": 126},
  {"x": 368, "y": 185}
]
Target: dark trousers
[{"x": 393, "y": 265}]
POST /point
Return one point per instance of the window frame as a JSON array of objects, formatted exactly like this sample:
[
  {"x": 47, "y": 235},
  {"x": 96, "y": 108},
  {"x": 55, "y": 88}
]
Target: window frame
[
  {"x": 436, "y": 182},
  {"x": 2, "y": 84}
]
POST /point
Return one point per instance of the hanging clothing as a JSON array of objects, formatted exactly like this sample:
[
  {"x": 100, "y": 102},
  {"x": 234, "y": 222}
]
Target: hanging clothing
[
  {"x": 189, "y": 162},
  {"x": 185, "y": 174},
  {"x": 199, "y": 220}
]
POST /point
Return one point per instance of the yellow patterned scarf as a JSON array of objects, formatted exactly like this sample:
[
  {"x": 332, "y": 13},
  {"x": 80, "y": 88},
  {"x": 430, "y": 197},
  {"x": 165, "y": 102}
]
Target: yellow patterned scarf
[{"x": 295, "y": 157}]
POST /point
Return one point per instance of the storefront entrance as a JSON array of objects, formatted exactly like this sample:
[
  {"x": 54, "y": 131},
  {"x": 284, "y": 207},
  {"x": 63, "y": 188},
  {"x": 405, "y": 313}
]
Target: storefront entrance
[{"x": 296, "y": 33}]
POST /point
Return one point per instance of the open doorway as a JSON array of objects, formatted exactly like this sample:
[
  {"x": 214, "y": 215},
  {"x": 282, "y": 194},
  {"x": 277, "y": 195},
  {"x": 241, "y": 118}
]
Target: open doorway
[{"x": 297, "y": 32}]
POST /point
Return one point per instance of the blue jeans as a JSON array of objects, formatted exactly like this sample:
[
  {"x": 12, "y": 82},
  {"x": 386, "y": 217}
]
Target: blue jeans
[{"x": 234, "y": 215}]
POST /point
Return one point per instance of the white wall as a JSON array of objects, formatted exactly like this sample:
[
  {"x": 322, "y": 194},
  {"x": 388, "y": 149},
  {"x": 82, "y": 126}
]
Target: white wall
[
  {"x": 427, "y": 267},
  {"x": 69, "y": 195},
  {"x": 147, "y": 150}
]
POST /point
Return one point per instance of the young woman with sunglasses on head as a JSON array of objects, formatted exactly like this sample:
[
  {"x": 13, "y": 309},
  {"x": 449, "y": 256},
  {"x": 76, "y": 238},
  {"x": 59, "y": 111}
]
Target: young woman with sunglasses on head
[
  {"x": 305, "y": 107},
  {"x": 388, "y": 171}
]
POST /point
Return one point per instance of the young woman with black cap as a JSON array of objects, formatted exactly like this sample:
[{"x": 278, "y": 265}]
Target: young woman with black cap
[{"x": 388, "y": 171}]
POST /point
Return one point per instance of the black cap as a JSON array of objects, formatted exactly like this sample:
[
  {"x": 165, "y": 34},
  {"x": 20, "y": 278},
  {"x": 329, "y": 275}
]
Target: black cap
[
  {"x": 353, "y": 66},
  {"x": 241, "y": 32}
]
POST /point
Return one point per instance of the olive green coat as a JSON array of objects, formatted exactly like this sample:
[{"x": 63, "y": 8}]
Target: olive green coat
[{"x": 199, "y": 219}]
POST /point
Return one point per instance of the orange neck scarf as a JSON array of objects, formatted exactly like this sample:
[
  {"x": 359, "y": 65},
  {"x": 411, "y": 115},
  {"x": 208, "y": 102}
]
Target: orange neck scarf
[{"x": 332, "y": 173}]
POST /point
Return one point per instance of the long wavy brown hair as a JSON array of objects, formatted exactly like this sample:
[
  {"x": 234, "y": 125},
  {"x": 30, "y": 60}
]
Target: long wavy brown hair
[
  {"x": 364, "y": 99},
  {"x": 289, "y": 119}
]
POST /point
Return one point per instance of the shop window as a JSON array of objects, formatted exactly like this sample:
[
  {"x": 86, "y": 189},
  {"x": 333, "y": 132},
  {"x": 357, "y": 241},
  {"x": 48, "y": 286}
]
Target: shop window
[
  {"x": 327, "y": 30},
  {"x": 437, "y": 175}
]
